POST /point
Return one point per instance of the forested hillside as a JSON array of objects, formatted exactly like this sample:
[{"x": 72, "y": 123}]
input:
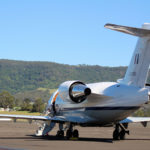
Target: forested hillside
[{"x": 18, "y": 76}]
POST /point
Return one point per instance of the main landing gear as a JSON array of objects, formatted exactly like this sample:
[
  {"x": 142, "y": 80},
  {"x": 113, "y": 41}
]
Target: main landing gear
[
  {"x": 70, "y": 133},
  {"x": 120, "y": 132},
  {"x": 60, "y": 133}
]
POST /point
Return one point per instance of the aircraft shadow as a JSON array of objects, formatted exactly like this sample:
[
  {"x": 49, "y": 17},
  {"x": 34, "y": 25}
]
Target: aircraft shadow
[
  {"x": 81, "y": 139},
  {"x": 86, "y": 139},
  {"x": 55, "y": 138},
  {"x": 13, "y": 138},
  {"x": 136, "y": 139}
]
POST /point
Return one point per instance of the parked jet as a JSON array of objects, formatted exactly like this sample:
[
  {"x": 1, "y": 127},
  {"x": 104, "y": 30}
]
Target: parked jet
[{"x": 103, "y": 103}]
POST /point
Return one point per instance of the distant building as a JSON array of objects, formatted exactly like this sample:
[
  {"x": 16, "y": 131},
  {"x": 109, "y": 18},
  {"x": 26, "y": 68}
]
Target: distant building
[{"x": 5, "y": 109}]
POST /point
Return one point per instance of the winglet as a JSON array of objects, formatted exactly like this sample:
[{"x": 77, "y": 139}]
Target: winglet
[{"x": 140, "y": 32}]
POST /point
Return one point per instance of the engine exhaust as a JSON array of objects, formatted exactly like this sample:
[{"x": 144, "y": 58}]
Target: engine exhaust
[{"x": 78, "y": 92}]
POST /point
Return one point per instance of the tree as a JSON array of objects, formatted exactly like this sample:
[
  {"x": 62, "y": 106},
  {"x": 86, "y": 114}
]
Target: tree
[
  {"x": 38, "y": 106},
  {"x": 6, "y": 100},
  {"x": 26, "y": 105},
  {"x": 18, "y": 102}
]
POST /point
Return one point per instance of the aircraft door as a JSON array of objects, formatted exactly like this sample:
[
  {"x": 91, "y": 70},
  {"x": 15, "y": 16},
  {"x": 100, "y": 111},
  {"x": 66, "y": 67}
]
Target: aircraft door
[{"x": 53, "y": 103}]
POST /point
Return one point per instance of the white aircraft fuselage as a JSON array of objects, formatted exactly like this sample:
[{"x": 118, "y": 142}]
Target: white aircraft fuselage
[{"x": 120, "y": 101}]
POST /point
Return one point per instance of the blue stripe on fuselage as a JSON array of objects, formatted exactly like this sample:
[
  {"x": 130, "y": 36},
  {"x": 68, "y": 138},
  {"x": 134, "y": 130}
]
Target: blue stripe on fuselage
[{"x": 104, "y": 108}]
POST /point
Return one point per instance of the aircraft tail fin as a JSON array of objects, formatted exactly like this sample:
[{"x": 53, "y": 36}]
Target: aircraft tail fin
[{"x": 138, "y": 69}]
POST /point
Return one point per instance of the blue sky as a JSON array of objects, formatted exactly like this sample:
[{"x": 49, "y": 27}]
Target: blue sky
[{"x": 70, "y": 31}]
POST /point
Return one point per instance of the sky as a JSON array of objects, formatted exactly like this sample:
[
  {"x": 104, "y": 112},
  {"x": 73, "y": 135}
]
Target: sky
[{"x": 70, "y": 31}]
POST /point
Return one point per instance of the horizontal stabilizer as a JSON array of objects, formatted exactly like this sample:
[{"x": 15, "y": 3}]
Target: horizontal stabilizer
[
  {"x": 135, "y": 120},
  {"x": 140, "y": 32}
]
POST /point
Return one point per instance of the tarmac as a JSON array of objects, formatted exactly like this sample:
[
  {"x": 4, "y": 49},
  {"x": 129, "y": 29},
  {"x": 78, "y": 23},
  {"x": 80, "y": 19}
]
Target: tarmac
[{"x": 20, "y": 136}]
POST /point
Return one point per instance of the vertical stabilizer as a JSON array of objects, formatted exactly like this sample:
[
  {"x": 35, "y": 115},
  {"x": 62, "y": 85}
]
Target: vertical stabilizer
[{"x": 137, "y": 71}]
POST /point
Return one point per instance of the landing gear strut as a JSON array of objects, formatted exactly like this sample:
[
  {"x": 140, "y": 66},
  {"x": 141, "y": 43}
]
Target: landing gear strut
[{"x": 120, "y": 132}]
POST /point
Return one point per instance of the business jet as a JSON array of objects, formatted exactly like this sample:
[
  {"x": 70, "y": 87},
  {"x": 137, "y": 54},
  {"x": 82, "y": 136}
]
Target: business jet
[{"x": 102, "y": 104}]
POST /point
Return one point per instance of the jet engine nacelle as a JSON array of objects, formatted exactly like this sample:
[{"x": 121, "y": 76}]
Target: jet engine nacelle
[{"x": 75, "y": 91}]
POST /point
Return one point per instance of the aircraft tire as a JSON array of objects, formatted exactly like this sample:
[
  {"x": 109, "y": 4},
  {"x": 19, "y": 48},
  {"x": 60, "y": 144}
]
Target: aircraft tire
[
  {"x": 76, "y": 134},
  {"x": 122, "y": 135},
  {"x": 60, "y": 133},
  {"x": 115, "y": 135},
  {"x": 69, "y": 134}
]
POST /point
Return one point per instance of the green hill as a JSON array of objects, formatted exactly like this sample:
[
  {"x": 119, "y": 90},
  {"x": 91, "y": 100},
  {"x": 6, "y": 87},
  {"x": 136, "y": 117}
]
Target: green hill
[
  {"x": 21, "y": 76},
  {"x": 43, "y": 93},
  {"x": 31, "y": 80}
]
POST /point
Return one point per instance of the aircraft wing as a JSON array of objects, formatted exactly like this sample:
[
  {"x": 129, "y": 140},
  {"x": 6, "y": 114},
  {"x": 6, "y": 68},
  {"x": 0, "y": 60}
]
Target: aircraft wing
[
  {"x": 5, "y": 119},
  {"x": 28, "y": 117},
  {"x": 136, "y": 120},
  {"x": 73, "y": 119}
]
